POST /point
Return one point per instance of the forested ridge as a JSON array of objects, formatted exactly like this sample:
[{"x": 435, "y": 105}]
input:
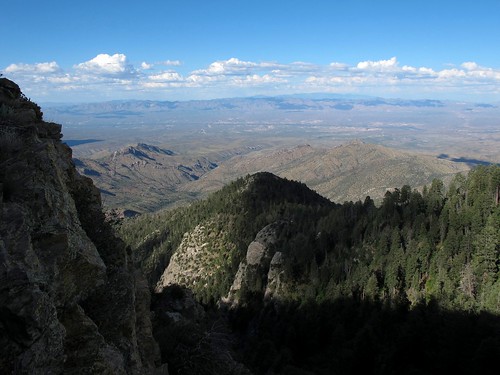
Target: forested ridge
[
  {"x": 408, "y": 286},
  {"x": 236, "y": 213},
  {"x": 440, "y": 243}
]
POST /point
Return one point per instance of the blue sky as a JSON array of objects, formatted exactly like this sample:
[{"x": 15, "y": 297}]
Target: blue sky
[{"x": 176, "y": 50}]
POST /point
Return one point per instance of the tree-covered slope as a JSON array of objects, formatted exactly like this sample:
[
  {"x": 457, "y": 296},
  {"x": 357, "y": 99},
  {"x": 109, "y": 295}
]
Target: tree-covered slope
[
  {"x": 410, "y": 286},
  {"x": 224, "y": 225},
  {"x": 439, "y": 244}
]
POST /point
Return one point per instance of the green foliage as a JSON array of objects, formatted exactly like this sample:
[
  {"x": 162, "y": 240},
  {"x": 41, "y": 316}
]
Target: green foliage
[
  {"x": 193, "y": 346},
  {"x": 407, "y": 287},
  {"x": 239, "y": 211},
  {"x": 441, "y": 244}
]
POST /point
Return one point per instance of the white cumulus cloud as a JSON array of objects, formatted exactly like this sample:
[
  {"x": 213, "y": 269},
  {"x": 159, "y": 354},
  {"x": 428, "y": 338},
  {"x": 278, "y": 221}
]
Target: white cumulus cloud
[
  {"x": 256, "y": 79},
  {"x": 230, "y": 66},
  {"x": 470, "y": 65},
  {"x": 106, "y": 64},
  {"x": 110, "y": 75},
  {"x": 167, "y": 76},
  {"x": 451, "y": 74},
  {"x": 381, "y": 65},
  {"x": 339, "y": 66}
]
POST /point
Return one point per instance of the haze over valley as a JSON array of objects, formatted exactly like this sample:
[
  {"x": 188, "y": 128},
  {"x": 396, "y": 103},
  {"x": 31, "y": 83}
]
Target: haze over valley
[{"x": 146, "y": 155}]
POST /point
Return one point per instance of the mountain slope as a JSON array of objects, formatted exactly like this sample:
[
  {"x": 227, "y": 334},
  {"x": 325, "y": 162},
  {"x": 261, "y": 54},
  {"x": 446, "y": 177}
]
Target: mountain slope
[
  {"x": 312, "y": 287},
  {"x": 143, "y": 177},
  {"x": 213, "y": 234},
  {"x": 339, "y": 250},
  {"x": 345, "y": 173}
]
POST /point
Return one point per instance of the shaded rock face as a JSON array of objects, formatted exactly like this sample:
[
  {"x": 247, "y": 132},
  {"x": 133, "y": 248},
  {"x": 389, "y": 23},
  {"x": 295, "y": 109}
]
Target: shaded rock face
[
  {"x": 178, "y": 304},
  {"x": 71, "y": 300}
]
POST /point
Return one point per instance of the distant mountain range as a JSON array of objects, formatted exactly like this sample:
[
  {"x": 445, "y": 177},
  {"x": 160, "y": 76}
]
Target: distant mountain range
[
  {"x": 159, "y": 111},
  {"x": 142, "y": 177}
]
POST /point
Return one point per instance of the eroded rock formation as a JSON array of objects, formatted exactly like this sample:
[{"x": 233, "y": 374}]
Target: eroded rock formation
[{"x": 261, "y": 271}]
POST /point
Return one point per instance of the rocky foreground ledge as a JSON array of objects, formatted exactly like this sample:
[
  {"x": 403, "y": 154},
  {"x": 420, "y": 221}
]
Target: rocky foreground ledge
[{"x": 71, "y": 299}]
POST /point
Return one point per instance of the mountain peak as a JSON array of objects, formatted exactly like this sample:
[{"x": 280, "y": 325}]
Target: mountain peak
[
  {"x": 144, "y": 151},
  {"x": 15, "y": 107},
  {"x": 357, "y": 142},
  {"x": 155, "y": 149},
  {"x": 267, "y": 186}
]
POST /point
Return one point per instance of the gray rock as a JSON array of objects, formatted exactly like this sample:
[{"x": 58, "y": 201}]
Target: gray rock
[
  {"x": 275, "y": 276},
  {"x": 71, "y": 299},
  {"x": 255, "y": 273}
]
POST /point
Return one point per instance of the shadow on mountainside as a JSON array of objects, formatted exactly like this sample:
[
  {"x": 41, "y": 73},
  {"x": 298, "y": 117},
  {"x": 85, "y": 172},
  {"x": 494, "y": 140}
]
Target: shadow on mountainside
[
  {"x": 359, "y": 337},
  {"x": 77, "y": 142},
  {"x": 346, "y": 336},
  {"x": 470, "y": 162}
]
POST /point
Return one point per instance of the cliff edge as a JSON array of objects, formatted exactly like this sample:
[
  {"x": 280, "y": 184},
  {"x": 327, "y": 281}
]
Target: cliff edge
[{"x": 71, "y": 299}]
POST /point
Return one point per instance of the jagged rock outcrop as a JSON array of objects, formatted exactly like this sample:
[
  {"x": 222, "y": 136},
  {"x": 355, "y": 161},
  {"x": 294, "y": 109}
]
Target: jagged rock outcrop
[
  {"x": 260, "y": 272},
  {"x": 275, "y": 276},
  {"x": 71, "y": 299},
  {"x": 205, "y": 253}
]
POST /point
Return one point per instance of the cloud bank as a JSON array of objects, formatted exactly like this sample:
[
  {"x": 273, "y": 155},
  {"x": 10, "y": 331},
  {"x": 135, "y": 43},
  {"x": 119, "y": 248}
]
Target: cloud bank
[{"x": 115, "y": 77}]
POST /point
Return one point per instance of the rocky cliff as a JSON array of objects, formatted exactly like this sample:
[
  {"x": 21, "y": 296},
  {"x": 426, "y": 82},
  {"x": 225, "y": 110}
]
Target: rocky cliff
[{"x": 71, "y": 299}]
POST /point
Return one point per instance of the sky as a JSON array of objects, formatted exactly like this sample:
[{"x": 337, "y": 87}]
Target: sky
[{"x": 87, "y": 51}]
